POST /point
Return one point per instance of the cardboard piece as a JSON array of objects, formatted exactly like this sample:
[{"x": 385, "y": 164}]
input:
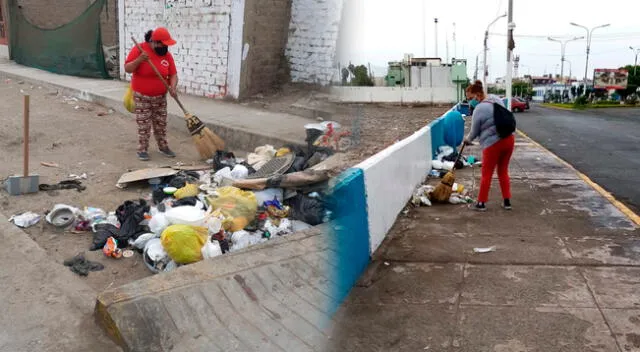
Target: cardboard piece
[{"x": 146, "y": 174}]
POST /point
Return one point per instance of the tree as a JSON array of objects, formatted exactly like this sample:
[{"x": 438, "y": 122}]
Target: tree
[
  {"x": 361, "y": 76},
  {"x": 633, "y": 83},
  {"x": 345, "y": 76}
]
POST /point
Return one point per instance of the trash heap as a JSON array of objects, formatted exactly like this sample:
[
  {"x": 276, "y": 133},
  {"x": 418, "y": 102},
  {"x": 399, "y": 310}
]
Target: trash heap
[
  {"x": 445, "y": 162},
  {"x": 198, "y": 213}
]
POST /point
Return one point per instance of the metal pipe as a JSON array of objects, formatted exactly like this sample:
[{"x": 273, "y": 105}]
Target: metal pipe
[{"x": 510, "y": 47}]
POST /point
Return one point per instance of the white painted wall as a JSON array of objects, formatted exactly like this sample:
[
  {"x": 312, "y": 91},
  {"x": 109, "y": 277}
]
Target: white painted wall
[
  {"x": 313, "y": 40},
  {"x": 405, "y": 95},
  {"x": 390, "y": 178},
  {"x": 434, "y": 76},
  {"x": 4, "y": 52},
  {"x": 201, "y": 28}
]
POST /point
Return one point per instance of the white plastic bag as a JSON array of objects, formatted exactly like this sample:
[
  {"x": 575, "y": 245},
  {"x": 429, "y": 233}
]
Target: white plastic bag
[
  {"x": 142, "y": 240},
  {"x": 285, "y": 228},
  {"x": 25, "y": 220},
  {"x": 239, "y": 172},
  {"x": 211, "y": 250},
  {"x": 186, "y": 215},
  {"x": 158, "y": 223}
]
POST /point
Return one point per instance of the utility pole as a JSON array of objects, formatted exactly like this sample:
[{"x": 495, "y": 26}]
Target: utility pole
[
  {"x": 589, "y": 33},
  {"x": 446, "y": 46},
  {"x": 510, "y": 46},
  {"x": 475, "y": 74},
  {"x": 635, "y": 62},
  {"x": 424, "y": 30},
  {"x": 435, "y": 21},
  {"x": 455, "y": 46},
  {"x": 485, "y": 71},
  {"x": 563, "y": 46}
]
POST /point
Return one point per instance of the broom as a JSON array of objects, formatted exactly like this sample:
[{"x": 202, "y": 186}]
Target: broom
[
  {"x": 207, "y": 143},
  {"x": 443, "y": 190}
]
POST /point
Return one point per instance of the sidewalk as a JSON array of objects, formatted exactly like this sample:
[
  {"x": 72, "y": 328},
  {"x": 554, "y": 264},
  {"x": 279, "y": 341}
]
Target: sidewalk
[
  {"x": 242, "y": 127},
  {"x": 45, "y": 307},
  {"x": 564, "y": 276}
]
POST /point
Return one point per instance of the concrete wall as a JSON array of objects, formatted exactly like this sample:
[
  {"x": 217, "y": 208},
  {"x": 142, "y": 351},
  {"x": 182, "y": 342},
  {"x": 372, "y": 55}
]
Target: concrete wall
[
  {"x": 266, "y": 28},
  {"x": 431, "y": 76},
  {"x": 54, "y": 13},
  {"x": 392, "y": 95},
  {"x": 202, "y": 30},
  {"x": 370, "y": 197},
  {"x": 313, "y": 39}
]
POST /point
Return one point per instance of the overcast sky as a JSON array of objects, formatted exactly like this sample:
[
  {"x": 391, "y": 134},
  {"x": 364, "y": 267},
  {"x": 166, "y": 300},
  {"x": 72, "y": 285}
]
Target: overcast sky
[{"x": 384, "y": 30}]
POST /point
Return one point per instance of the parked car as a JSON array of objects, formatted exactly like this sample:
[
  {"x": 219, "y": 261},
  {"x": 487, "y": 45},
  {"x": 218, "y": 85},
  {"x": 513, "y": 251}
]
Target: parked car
[
  {"x": 516, "y": 105},
  {"x": 525, "y": 101}
]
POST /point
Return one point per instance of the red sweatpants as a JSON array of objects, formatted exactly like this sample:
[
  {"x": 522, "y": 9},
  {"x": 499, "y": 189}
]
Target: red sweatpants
[{"x": 498, "y": 155}]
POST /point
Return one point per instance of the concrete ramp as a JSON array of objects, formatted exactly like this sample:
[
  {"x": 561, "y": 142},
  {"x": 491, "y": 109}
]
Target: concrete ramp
[{"x": 273, "y": 297}]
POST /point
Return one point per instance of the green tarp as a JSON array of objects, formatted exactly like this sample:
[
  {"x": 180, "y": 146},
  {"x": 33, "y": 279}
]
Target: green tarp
[{"x": 73, "y": 49}]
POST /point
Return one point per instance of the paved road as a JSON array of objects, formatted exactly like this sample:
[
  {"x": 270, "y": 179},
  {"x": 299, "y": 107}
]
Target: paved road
[{"x": 603, "y": 144}]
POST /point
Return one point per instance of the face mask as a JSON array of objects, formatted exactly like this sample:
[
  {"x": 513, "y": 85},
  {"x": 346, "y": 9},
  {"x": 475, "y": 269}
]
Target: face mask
[
  {"x": 474, "y": 102},
  {"x": 161, "y": 50}
]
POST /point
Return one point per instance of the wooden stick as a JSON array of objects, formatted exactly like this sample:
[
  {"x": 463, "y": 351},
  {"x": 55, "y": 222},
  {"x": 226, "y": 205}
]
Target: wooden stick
[
  {"x": 26, "y": 136},
  {"x": 164, "y": 81}
]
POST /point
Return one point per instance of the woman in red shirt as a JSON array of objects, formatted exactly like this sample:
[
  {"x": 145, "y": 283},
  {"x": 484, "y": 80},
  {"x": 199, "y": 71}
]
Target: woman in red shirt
[{"x": 150, "y": 94}]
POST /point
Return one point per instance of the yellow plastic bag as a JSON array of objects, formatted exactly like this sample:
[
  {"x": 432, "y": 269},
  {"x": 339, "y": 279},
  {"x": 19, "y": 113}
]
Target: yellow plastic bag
[
  {"x": 190, "y": 190},
  {"x": 128, "y": 101},
  {"x": 183, "y": 243},
  {"x": 237, "y": 204}
]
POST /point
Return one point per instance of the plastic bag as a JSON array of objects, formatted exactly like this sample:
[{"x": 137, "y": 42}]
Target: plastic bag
[
  {"x": 25, "y": 220},
  {"x": 128, "y": 101},
  {"x": 184, "y": 243},
  {"x": 185, "y": 215},
  {"x": 189, "y": 190},
  {"x": 237, "y": 204},
  {"x": 158, "y": 223},
  {"x": 211, "y": 250}
]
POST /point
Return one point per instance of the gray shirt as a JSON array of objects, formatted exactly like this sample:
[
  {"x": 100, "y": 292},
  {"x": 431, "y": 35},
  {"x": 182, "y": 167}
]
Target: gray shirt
[{"x": 482, "y": 125}]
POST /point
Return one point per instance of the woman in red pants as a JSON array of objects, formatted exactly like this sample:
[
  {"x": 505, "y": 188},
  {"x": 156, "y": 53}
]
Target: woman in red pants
[{"x": 496, "y": 151}]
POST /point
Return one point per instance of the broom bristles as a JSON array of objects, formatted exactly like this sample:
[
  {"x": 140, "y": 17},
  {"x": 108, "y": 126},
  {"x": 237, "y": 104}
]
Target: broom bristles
[{"x": 206, "y": 141}]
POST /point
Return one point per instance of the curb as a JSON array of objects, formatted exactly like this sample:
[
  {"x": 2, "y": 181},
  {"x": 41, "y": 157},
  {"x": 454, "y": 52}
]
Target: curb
[
  {"x": 616, "y": 203},
  {"x": 557, "y": 107},
  {"x": 235, "y": 138}
]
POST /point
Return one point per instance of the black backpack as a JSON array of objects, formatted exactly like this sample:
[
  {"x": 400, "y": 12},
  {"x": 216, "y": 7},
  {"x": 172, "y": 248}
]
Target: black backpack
[{"x": 504, "y": 120}]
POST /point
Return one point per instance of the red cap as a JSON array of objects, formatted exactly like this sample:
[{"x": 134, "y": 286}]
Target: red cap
[{"x": 162, "y": 35}]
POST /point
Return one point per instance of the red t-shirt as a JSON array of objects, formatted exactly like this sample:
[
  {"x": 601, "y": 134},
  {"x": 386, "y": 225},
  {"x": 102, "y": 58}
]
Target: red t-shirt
[{"x": 144, "y": 80}]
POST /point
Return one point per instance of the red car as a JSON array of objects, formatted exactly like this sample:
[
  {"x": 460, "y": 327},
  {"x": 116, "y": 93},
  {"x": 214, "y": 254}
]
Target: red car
[{"x": 516, "y": 105}]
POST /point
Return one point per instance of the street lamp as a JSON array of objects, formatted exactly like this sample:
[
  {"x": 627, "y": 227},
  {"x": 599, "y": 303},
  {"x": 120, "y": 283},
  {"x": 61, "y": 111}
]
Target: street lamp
[
  {"x": 484, "y": 62},
  {"x": 563, "y": 46},
  {"x": 635, "y": 62},
  {"x": 589, "y": 33}
]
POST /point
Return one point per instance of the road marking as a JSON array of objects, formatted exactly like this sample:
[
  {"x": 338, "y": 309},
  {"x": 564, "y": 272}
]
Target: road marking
[{"x": 623, "y": 208}]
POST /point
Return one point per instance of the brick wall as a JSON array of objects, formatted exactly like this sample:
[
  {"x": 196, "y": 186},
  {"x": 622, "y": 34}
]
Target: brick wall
[
  {"x": 54, "y": 13},
  {"x": 266, "y": 27},
  {"x": 201, "y": 28},
  {"x": 313, "y": 37}
]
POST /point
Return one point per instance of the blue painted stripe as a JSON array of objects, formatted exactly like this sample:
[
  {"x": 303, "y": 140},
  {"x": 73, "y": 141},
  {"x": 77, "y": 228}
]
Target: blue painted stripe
[{"x": 350, "y": 234}]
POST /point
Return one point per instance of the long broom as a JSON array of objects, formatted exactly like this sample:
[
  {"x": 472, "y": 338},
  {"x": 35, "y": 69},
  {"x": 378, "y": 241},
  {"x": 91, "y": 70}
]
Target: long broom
[
  {"x": 206, "y": 141},
  {"x": 443, "y": 190}
]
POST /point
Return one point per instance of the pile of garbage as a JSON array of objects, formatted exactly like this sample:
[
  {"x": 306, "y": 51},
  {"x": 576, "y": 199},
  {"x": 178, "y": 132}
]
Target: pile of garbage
[
  {"x": 444, "y": 162},
  {"x": 193, "y": 215}
]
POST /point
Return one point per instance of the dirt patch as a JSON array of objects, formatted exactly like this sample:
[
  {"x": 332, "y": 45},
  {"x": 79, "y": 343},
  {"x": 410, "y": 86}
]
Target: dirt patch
[
  {"x": 80, "y": 138},
  {"x": 380, "y": 125}
]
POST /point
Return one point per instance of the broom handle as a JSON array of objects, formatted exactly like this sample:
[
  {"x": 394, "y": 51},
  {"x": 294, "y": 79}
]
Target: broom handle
[
  {"x": 26, "y": 136},
  {"x": 164, "y": 81}
]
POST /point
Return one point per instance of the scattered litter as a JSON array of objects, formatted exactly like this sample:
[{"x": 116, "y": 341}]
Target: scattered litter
[
  {"x": 127, "y": 253},
  {"x": 62, "y": 216},
  {"x": 78, "y": 177},
  {"x": 485, "y": 250},
  {"x": 68, "y": 184},
  {"x": 81, "y": 266},
  {"x": 25, "y": 220},
  {"x": 386, "y": 263},
  {"x": 44, "y": 163},
  {"x": 111, "y": 249}
]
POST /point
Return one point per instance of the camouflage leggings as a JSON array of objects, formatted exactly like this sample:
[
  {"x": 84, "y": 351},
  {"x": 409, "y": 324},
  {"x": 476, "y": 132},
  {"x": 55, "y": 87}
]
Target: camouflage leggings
[{"x": 151, "y": 113}]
